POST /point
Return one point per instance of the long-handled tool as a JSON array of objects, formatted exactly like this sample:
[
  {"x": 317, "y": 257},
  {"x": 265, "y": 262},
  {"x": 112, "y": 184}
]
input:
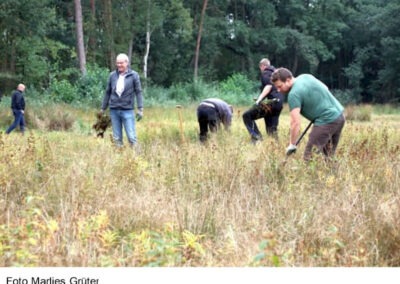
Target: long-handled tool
[
  {"x": 304, "y": 133},
  {"x": 179, "y": 107},
  {"x": 301, "y": 137},
  {"x": 283, "y": 163}
]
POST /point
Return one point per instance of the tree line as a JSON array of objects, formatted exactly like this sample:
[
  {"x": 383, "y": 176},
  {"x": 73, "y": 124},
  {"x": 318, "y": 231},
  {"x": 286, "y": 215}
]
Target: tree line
[{"x": 351, "y": 45}]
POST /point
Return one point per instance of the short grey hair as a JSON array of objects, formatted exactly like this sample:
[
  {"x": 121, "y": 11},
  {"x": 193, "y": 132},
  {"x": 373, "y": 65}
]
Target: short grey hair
[
  {"x": 21, "y": 87},
  {"x": 265, "y": 61},
  {"x": 123, "y": 56}
]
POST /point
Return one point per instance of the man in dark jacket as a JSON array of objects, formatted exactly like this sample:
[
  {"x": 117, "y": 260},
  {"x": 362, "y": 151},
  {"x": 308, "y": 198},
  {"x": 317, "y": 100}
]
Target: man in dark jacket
[
  {"x": 210, "y": 114},
  {"x": 123, "y": 88},
  {"x": 270, "y": 114},
  {"x": 18, "y": 109}
]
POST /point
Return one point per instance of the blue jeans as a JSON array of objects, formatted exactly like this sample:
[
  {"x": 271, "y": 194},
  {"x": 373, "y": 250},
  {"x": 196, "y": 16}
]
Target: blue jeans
[
  {"x": 126, "y": 119},
  {"x": 18, "y": 120}
]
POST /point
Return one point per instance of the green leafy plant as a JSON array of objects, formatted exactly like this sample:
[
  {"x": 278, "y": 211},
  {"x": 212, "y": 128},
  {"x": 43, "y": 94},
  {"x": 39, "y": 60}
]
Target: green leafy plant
[
  {"x": 63, "y": 91},
  {"x": 238, "y": 89}
]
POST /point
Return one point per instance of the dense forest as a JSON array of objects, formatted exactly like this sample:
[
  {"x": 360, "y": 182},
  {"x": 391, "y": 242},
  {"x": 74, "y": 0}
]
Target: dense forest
[{"x": 351, "y": 45}]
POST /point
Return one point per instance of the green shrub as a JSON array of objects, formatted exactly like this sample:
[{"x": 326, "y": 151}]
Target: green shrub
[
  {"x": 35, "y": 97},
  {"x": 201, "y": 90},
  {"x": 346, "y": 97},
  {"x": 88, "y": 91},
  {"x": 91, "y": 87},
  {"x": 179, "y": 93},
  {"x": 186, "y": 93},
  {"x": 238, "y": 90},
  {"x": 85, "y": 90},
  {"x": 238, "y": 100},
  {"x": 237, "y": 84},
  {"x": 157, "y": 96},
  {"x": 63, "y": 91}
]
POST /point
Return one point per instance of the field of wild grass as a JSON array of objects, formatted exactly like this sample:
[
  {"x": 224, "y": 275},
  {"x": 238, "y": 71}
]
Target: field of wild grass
[{"x": 71, "y": 199}]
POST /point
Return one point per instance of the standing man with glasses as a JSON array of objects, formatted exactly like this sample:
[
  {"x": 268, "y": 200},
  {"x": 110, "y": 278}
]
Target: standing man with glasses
[{"x": 123, "y": 88}]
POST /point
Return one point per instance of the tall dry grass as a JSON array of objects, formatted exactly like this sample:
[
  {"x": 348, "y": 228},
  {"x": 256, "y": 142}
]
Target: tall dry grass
[{"x": 70, "y": 199}]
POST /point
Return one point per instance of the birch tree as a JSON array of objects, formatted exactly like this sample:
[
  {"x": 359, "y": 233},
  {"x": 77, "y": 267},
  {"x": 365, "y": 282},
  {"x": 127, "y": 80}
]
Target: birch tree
[{"x": 153, "y": 21}]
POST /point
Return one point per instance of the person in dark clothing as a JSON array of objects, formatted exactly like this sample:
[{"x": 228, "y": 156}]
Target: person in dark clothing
[
  {"x": 311, "y": 98},
  {"x": 270, "y": 115},
  {"x": 210, "y": 114},
  {"x": 18, "y": 108}
]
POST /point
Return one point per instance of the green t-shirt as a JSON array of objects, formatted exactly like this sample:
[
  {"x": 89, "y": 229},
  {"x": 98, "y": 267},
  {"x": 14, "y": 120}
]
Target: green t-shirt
[{"x": 314, "y": 100}]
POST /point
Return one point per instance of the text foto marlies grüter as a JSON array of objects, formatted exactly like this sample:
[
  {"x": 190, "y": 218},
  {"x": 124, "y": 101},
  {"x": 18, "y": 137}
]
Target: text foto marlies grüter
[{"x": 52, "y": 280}]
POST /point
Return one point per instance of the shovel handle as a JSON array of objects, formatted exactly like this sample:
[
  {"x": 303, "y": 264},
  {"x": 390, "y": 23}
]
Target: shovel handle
[{"x": 304, "y": 132}]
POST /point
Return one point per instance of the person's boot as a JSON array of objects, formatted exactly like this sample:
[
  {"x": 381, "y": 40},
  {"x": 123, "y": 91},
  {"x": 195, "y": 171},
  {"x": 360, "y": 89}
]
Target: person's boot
[
  {"x": 255, "y": 138},
  {"x": 273, "y": 132}
]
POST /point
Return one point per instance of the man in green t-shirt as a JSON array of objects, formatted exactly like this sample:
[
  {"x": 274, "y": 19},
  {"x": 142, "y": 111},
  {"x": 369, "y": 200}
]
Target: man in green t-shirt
[{"x": 311, "y": 98}]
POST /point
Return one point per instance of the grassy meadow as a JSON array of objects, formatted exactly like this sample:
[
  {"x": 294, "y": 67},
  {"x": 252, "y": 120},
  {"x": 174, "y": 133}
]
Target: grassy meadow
[{"x": 71, "y": 199}]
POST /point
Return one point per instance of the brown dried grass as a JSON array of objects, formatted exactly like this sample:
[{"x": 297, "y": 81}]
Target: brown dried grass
[{"x": 69, "y": 199}]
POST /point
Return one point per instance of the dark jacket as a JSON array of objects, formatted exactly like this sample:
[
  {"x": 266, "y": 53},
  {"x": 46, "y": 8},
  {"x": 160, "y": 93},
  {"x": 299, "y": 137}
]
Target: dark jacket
[
  {"x": 132, "y": 89},
  {"x": 17, "y": 101},
  {"x": 266, "y": 80}
]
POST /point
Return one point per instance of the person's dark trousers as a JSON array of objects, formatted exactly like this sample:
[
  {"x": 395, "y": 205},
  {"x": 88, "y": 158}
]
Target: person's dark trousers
[
  {"x": 325, "y": 138},
  {"x": 18, "y": 120},
  {"x": 271, "y": 122},
  {"x": 208, "y": 120}
]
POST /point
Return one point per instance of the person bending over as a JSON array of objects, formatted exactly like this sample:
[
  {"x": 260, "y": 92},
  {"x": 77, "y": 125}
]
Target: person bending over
[
  {"x": 309, "y": 97},
  {"x": 210, "y": 114}
]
